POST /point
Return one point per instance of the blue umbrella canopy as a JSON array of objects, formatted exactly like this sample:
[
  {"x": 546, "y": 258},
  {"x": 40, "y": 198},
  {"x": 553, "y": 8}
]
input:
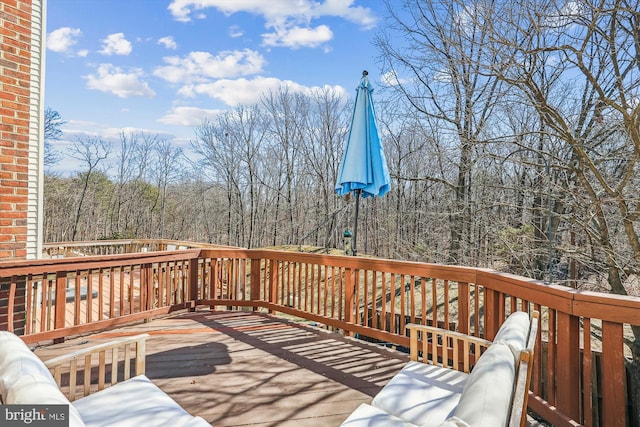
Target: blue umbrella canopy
[{"x": 363, "y": 166}]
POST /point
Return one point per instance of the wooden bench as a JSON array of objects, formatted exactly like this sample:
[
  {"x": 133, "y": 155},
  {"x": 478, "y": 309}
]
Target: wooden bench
[
  {"x": 108, "y": 393},
  {"x": 457, "y": 380}
]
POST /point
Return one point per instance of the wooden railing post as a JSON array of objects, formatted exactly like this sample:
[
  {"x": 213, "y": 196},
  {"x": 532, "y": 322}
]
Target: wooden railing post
[
  {"x": 146, "y": 283},
  {"x": 193, "y": 282},
  {"x": 11, "y": 303},
  {"x": 491, "y": 313},
  {"x": 144, "y": 304},
  {"x": 614, "y": 396},
  {"x": 351, "y": 279},
  {"x": 464, "y": 313},
  {"x": 273, "y": 282},
  {"x": 568, "y": 365},
  {"x": 256, "y": 267},
  {"x": 61, "y": 302}
]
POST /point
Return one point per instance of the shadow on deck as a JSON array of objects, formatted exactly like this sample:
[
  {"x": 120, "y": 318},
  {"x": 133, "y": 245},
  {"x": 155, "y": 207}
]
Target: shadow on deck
[{"x": 253, "y": 369}]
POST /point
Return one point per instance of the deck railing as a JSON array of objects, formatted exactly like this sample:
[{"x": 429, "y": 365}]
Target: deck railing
[
  {"x": 580, "y": 369},
  {"x": 120, "y": 246}
]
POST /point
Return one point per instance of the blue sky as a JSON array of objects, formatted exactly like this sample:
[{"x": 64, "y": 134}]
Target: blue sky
[{"x": 161, "y": 66}]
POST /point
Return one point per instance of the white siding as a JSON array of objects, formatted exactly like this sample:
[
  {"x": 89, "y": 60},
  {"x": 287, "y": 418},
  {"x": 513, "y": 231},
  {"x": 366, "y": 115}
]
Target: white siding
[{"x": 36, "y": 131}]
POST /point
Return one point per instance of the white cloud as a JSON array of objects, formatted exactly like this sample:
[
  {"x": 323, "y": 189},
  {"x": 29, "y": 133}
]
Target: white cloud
[
  {"x": 168, "y": 42},
  {"x": 443, "y": 76},
  {"x": 188, "y": 116},
  {"x": 200, "y": 66},
  {"x": 280, "y": 10},
  {"x": 289, "y": 19},
  {"x": 116, "y": 44},
  {"x": 390, "y": 78},
  {"x": 235, "y": 32},
  {"x": 112, "y": 79},
  {"x": 361, "y": 15},
  {"x": 83, "y": 53},
  {"x": 83, "y": 128},
  {"x": 566, "y": 16},
  {"x": 62, "y": 39},
  {"x": 74, "y": 129},
  {"x": 295, "y": 37},
  {"x": 182, "y": 9},
  {"x": 249, "y": 92}
]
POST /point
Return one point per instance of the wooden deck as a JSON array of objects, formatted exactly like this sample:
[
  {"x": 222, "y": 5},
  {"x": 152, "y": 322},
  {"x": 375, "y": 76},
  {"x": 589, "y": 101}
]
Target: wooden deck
[{"x": 252, "y": 369}]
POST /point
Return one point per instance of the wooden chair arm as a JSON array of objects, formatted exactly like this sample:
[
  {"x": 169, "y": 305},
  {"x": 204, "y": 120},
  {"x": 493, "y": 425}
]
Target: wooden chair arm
[
  {"x": 442, "y": 347},
  {"x": 100, "y": 356},
  {"x": 518, "y": 417}
]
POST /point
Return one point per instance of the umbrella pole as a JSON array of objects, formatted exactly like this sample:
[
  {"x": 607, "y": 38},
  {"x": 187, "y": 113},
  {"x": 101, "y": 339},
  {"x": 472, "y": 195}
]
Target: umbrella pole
[{"x": 354, "y": 246}]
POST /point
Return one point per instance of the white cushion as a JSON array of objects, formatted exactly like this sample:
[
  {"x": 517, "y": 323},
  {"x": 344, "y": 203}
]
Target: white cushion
[
  {"x": 454, "y": 422},
  {"x": 486, "y": 398},
  {"x": 16, "y": 361},
  {"x": 38, "y": 390},
  {"x": 133, "y": 403},
  {"x": 370, "y": 416},
  {"x": 422, "y": 394},
  {"x": 24, "y": 379},
  {"x": 197, "y": 422},
  {"x": 514, "y": 330}
]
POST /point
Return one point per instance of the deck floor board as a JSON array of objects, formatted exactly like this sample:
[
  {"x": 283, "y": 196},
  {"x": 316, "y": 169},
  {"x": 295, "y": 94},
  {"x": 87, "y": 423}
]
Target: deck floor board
[{"x": 253, "y": 369}]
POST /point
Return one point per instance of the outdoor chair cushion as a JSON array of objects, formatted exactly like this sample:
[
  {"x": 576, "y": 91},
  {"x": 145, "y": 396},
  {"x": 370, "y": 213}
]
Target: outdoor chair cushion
[
  {"x": 422, "y": 394},
  {"x": 41, "y": 390},
  {"x": 134, "y": 403},
  {"x": 16, "y": 361},
  {"x": 370, "y": 416},
  {"x": 25, "y": 379},
  {"x": 425, "y": 395},
  {"x": 482, "y": 404},
  {"x": 514, "y": 331},
  {"x": 454, "y": 422}
]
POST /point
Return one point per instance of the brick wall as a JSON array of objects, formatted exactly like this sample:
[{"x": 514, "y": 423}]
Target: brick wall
[
  {"x": 15, "y": 69},
  {"x": 15, "y": 103}
]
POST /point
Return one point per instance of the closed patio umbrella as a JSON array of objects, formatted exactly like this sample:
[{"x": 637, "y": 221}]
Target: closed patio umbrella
[{"x": 363, "y": 170}]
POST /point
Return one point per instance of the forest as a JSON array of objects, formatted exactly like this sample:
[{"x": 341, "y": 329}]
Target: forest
[{"x": 511, "y": 131}]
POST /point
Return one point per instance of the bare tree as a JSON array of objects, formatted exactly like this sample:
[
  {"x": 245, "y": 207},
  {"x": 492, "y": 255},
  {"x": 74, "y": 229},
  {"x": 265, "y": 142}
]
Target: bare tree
[
  {"x": 52, "y": 132},
  {"x": 129, "y": 207},
  {"x": 325, "y": 134},
  {"x": 59, "y": 206},
  {"x": 592, "y": 47},
  {"x": 288, "y": 113},
  {"x": 436, "y": 69},
  {"x": 90, "y": 151},
  {"x": 216, "y": 162},
  {"x": 166, "y": 169},
  {"x": 230, "y": 149},
  {"x": 596, "y": 121}
]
